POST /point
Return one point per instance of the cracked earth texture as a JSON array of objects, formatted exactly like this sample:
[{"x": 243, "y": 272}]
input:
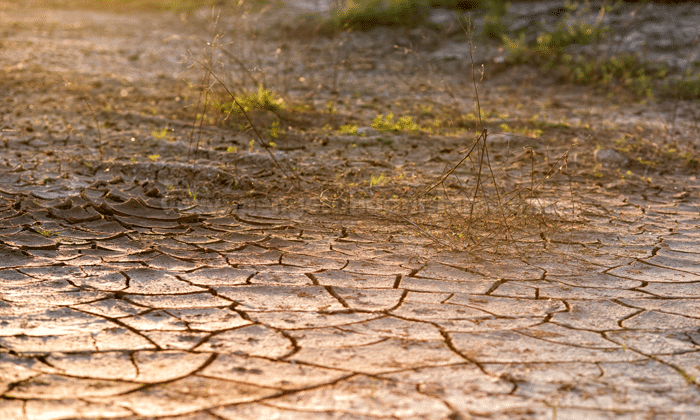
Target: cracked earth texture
[{"x": 116, "y": 302}]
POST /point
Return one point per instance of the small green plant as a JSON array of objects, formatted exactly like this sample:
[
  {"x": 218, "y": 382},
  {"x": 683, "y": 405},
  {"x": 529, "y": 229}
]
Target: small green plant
[
  {"x": 274, "y": 131},
  {"x": 691, "y": 161},
  {"x": 192, "y": 194},
  {"x": 625, "y": 70},
  {"x": 565, "y": 34},
  {"x": 376, "y": 181},
  {"x": 367, "y": 14},
  {"x": 685, "y": 87},
  {"x": 567, "y": 31},
  {"x": 485, "y": 116},
  {"x": 540, "y": 122},
  {"x": 426, "y": 109},
  {"x": 160, "y": 134},
  {"x": 597, "y": 171},
  {"x": 263, "y": 99},
  {"x": 516, "y": 48},
  {"x": 552, "y": 43},
  {"x": 154, "y": 158},
  {"x": 348, "y": 129},
  {"x": 526, "y": 132},
  {"x": 494, "y": 24},
  {"x": 46, "y": 232},
  {"x": 405, "y": 123},
  {"x": 231, "y": 149},
  {"x": 689, "y": 378}
]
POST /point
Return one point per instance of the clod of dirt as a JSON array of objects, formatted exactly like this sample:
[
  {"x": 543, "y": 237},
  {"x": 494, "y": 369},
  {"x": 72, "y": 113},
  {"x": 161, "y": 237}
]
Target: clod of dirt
[{"x": 610, "y": 158}]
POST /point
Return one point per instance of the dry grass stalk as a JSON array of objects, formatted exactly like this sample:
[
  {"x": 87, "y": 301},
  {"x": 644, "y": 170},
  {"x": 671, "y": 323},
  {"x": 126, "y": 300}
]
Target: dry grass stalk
[{"x": 488, "y": 214}]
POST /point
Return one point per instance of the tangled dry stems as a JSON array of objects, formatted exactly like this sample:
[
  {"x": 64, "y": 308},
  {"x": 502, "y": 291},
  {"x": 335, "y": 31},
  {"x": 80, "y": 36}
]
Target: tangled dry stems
[{"x": 476, "y": 204}]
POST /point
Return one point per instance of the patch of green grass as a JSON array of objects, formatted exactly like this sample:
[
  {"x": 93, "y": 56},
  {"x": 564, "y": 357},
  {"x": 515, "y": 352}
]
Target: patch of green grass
[
  {"x": 192, "y": 195},
  {"x": 368, "y": 14},
  {"x": 569, "y": 29},
  {"x": 349, "y": 129},
  {"x": 274, "y": 131},
  {"x": 541, "y": 122},
  {"x": 388, "y": 123},
  {"x": 624, "y": 70},
  {"x": 565, "y": 34},
  {"x": 685, "y": 87},
  {"x": 487, "y": 115},
  {"x": 495, "y": 24},
  {"x": 46, "y": 232},
  {"x": 549, "y": 43},
  {"x": 160, "y": 134},
  {"x": 262, "y": 99},
  {"x": 376, "y": 181},
  {"x": 523, "y": 131},
  {"x": 426, "y": 109}
]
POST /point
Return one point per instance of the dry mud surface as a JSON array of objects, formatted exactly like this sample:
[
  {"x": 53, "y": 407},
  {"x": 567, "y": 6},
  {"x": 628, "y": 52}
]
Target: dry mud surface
[{"x": 214, "y": 282}]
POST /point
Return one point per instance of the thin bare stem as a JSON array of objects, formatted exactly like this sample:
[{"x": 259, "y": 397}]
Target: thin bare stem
[
  {"x": 449, "y": 172},
  {"x": 289, "y": 173},
  {"x": 97, "y": 124},
  {"x": 498, "y": 194},
  {"x": 468, "y": 30}
]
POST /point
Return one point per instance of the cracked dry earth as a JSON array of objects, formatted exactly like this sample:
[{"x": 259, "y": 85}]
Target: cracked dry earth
[{"x": 119, "y": 301}]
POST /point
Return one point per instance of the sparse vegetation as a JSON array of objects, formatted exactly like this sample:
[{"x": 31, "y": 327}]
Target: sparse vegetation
[
  {"x": 160, "y": 134},
  {"x": 349, "y": 129},
  {"x": 388, "y": 123},
  {"x": 367, "y": 14},
  {"x": 262, "y": 99},
  {"x": 548, "y": 50},
  {"x": 46, "y": 232},
  {"x": 259, "y": 110}
]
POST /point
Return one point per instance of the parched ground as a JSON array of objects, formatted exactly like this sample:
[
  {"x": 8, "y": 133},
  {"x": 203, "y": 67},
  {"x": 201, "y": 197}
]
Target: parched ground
[{"x": 163, "y": 257}]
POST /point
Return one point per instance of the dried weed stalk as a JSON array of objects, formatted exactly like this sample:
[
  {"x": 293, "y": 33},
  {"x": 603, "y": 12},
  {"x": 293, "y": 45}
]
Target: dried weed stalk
[{"x": 496, "y": 210}]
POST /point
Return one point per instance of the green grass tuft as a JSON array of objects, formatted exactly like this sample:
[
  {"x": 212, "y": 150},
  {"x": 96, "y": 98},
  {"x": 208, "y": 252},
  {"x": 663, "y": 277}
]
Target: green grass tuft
[
  {"x": 263, "y": 99},
  {"x": 367, "y": 14}
]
